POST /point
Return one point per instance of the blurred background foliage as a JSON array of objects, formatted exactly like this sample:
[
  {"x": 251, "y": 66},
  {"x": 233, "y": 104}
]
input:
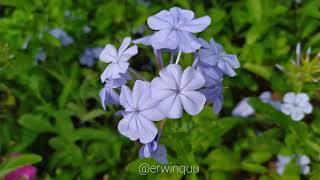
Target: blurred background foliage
[{"x": 52, "y": 108}]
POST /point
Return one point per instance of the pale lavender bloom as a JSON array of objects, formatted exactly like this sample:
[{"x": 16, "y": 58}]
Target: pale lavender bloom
[
  {"x": 174, "y": 29},
  {"x": 213, "y": 54},
  {"x": 86, "y": 29},
  {"x": 176, "y": 90},
  {"x": 117, "y": 59},
  {"x": 108, "y": 96},
  {"x": 304, "y": 161},
  {"x": 60, "y": 34},
  {"x": 243, "y": 109},
  {"x": 282, "y": 162},
  {"x": 90, "y": 56},
  {"x": 140, "y": 112},
  {"x": 296, "y": 105},
  {"x": 25, "y": 172},
  {"x": 266, "y": 97},
  {"x": 155, "y": 151}
]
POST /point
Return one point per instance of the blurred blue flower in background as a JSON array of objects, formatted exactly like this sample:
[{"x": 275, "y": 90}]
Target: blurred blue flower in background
[
  {"x": 90, "y": 56},
  {"x": 40, "y": 56},
  {"x": 243, "y": 109},
  {"x": 60, "y": 34}
]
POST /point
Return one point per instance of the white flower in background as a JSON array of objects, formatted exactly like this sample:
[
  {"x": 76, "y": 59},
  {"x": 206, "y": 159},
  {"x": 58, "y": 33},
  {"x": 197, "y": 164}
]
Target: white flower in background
[
  {"x": 243, "y": 109},
  {"x": 304, "y": 161},
  {"x": 296, "y": 105}
]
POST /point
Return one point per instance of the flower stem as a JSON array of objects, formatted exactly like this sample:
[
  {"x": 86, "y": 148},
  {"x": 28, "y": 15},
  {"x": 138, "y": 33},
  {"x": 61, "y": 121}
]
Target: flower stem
[
  {"x": 162, "y": 123},
  {"x": 158, "y": 55},
  {"x": 136, "y": 73},
  {"x": 171, "y": 57},
  {"x": 178, "y": 57}
]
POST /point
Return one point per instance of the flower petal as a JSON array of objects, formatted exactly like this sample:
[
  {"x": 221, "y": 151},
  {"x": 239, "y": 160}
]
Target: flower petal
[
  {"x": 172, "y": 106},
  {"x": 109, "y": 54},
  {"x": 287, "y": 109},
  {"x": 289, "y": 97},
  {"x": 144, "y": 40},
  {"x": 306, "y": 107},
  {"x": 297, "y": 115},
  {"x": 124, "y": 45},
  {"x": 108, "y": 96},
  {"x": 188, "y": 43},
  {"x": 193, "y": 101},
  {"x": 114, "y": 70},
  {"x": 191, "y": 80},
  {"x": 146, "y": 129},
  {"x": 197, "y": 25},
  {"x": 125, "y": 98},
  {"x": 165, "y": 39},
  {"x": 302, "y": 98},
  {"x": 181, "y": 16},
  {"x": 127, "y": 54},
  {"x": 160, "y": 21},
  {"x": 160, "y": 154},
  {"x": 153, "y": 114},
  {"x": 128, "y": 126}
]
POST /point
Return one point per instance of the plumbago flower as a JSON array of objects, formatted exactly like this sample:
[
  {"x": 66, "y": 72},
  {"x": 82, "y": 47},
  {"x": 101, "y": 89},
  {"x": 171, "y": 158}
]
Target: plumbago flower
[
  {"x": 174, "y": 30},
  {"x": 296, "y": 105},
  {"x": 140, "y": 112},
  {"x": 175, "y": 90},
  {"x": 117, "y": 59},
  {"x": 213, "y": 54}
]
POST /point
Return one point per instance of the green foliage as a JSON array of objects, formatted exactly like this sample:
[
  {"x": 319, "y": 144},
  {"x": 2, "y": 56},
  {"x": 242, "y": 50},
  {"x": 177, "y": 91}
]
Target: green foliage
[{"x": 52, "y": 109}]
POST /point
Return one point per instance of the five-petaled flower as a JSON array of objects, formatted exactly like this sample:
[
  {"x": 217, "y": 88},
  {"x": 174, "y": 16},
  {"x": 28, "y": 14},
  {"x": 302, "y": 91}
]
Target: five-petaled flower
[
  {"x": 296, "y": 105},
  {"x": 175, "y": 90},
  {"x": 117, "y": 59},
  {"x": 213, "y": 54},
  {"x": 174, "y": 29},
  {"x": 140, "y": 112}
]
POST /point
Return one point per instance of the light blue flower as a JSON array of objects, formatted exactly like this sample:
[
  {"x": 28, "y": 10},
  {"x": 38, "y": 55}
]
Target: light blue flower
[
  {"x": 60, "y": 34},
  {"x": 243, "y": 109},
  {"x": 296, "y": 105},
  {"x": 177, "y": 90},
  {"x": 213, "y": 54},
  {"x": 140, "y": 112},
  {"x": 117, "y": 59},
  {"x": 90, "y": 55},
  {"x": 174, "y": 29}
]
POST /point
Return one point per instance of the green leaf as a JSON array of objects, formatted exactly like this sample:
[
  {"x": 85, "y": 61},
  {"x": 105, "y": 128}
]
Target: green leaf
[
  {"x": 17, "y": 162},
  {"x": 223, "y": 159},
  {"x": 36, "y": 123}
]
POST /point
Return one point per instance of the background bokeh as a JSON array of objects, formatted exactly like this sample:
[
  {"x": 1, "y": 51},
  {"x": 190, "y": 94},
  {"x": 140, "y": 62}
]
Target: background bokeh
[{"x": 50, "y": 107}]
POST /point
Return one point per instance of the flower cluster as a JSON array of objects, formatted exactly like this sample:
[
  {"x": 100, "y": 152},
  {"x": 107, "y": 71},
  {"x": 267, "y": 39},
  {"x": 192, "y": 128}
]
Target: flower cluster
[
  {"x": 175, "y": 90},
  {"x": 302, "y": 161}
]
